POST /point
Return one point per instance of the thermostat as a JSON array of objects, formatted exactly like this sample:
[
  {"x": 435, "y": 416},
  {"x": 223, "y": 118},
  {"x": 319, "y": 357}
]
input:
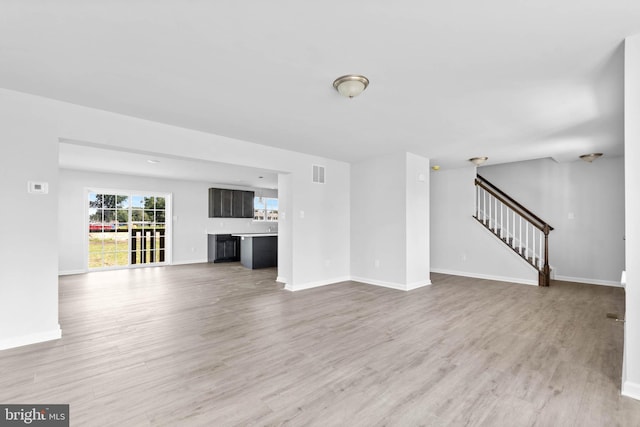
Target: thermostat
[{"x": 38, "y": 187}]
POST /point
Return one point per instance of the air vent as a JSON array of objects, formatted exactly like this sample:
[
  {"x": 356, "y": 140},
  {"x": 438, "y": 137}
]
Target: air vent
[{"x": 318, "y": 174}]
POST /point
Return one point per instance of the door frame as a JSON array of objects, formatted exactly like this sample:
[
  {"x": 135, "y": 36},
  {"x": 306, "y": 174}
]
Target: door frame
[{"x": 168, "y": 250}]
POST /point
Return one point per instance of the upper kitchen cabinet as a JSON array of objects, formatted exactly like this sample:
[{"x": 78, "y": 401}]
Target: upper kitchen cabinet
[
  {"x": 243, "y": 204},
  {"x": 220, "y": 203},
  {"x": 224, "y": 203}
]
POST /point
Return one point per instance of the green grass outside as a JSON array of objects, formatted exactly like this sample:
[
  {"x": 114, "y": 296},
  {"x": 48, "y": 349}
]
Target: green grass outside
[
  {"x": 112, "y": 250},
  {"x": 108, "y": 249}
]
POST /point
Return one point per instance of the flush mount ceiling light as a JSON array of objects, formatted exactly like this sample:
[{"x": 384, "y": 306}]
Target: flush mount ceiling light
[
  {"x": 590, "y": 157},
  {"x": 478, "y": 160},
  {"x": 351, "y": 85}
]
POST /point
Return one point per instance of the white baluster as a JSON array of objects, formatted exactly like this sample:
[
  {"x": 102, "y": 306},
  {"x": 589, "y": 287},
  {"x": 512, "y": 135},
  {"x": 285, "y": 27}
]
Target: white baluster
[
  {"x": 501, "y": 221},
  {"x": 520, "y": 237},
  {"x": 513, "y": 242},
  {"x": 533, "y": 244},
  {"x": 541, "y": 252},
  {"x": 490, "y": 205},
  {"x": 526, "y": 238},
  {"x": 507, "y": 225},
  {"x": 484, "y": 205}
]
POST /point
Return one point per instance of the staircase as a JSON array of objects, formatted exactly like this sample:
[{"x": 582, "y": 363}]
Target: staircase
[{"x": 516, "y": 226}]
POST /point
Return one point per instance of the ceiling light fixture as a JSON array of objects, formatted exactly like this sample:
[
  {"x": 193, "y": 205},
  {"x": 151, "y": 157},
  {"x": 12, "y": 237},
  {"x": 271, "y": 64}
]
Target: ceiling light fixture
[
  {"x": 351, "y": 85},
  {"x": 590, "y": 157},
  {"x": 153, "y": 161},
  {"x": 478, "y": 160}
]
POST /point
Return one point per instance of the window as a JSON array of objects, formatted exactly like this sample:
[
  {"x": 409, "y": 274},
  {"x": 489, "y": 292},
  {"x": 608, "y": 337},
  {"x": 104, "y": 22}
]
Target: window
[
  {"x": 126, "y": 229},
  {"x": 265, "y": 209}
]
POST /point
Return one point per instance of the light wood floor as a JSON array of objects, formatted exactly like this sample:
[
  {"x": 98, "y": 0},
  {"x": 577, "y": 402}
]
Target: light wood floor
[{"x": 218, "y": 345}]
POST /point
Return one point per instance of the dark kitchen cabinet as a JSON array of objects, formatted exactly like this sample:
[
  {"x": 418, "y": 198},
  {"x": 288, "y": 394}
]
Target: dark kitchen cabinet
[
  {"x": 220, "y": 203},
  {"x": 243, "y": 204},
  {"x": 224, "y": 203},
  {"x": 223, "y": 248},
  {"x": 259, "y": 251}
]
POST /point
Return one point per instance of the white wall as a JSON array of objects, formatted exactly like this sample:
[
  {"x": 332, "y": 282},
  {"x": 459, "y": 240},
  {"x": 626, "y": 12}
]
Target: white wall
[
  {"x": 31, "y": 129},
  {"x": 417, "y": 220},
  {"x": 389, "y": 221},
  {"x": 285, "y": 229},
  {"x": 631, "y": 366},
  {"x": 590, "y": 247},
  {"x": 191, "y": 223},
  {"x": 378, "y": 248},
  {"x": 29, "y": 250},
  {"x": 459, "y": 244},
  {"x": 320, "y": 225}
]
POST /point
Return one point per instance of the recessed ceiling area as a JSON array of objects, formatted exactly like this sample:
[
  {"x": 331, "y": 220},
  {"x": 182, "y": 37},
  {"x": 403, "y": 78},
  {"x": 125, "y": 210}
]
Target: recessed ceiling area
[
  {"x": 448, "y": 80},
  {"x": 89, "y": 157}
]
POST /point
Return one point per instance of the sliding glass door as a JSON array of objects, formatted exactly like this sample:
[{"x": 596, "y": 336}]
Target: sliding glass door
[{"x": 127, "y": 229}]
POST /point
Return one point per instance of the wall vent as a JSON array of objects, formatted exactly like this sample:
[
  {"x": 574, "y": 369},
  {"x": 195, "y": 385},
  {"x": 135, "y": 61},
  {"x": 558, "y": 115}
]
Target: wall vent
[{"x": 318, "y": 174}]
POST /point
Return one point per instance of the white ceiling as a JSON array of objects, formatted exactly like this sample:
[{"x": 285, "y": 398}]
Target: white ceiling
[
  {"x": 80, "y": 155},
  {"x": 508, "y": 79}
]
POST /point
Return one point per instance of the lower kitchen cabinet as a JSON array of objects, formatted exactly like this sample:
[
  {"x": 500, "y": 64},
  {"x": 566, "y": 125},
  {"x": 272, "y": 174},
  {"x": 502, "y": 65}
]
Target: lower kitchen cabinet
[{"x": 223, "y": 248}]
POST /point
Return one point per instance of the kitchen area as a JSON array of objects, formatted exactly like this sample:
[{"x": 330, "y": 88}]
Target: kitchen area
[{"x": 246, "y": 227}]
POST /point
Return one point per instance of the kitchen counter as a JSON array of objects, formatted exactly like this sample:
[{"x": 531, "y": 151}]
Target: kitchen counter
[
  {"x": 255, "y": 234},
  {"x": 258, "y": 250}
]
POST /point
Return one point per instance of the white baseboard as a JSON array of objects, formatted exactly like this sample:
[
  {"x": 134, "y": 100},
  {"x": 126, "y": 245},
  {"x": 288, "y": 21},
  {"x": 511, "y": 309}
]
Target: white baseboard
[
  {"x": 589, "y": 281},
  {"x": 31, "y": 339},
  {"x": 70, "y": 272},
  {"x": 310, "y": 285},
  {"x": 630, "y": 389},
  {"x": 416, "y": 285},
  {"x": 281, "y": 279},
  {"x": 486, "y": 276},
  {"x": 190, "y": 261},
  {"x": 392, "y": 285}
]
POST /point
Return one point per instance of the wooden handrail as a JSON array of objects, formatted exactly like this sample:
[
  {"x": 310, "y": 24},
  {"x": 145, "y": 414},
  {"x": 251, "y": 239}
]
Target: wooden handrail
[
  {"x": 544, "y": 272},
  {"x": 513, "y": 204}
]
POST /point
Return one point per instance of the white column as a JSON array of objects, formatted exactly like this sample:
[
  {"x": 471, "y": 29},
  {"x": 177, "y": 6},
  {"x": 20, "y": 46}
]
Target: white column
[{"x": 631, "y": 361}]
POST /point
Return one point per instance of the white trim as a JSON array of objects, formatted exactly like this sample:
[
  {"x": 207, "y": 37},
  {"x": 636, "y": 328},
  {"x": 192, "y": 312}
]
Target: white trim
[
  {"x": 486, "y": 276},
  {"x": 392, "y": 285},
  {"x": 34, "y": 338},
  {"x": 281, "y": 279},
  {"x": 589, "y": 281},
  {"x": 70, "y": 272},
  {"x": 310, "y": 285},
  {"x": 189, "y": 261},
  {"x": 630, "y": 389},
  {"x": 417, "y": 285},
  {"x": 168, "y": 252}
]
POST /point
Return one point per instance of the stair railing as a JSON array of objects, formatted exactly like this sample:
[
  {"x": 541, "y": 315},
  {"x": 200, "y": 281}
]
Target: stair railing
[{"x": 515, "y": 225}]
